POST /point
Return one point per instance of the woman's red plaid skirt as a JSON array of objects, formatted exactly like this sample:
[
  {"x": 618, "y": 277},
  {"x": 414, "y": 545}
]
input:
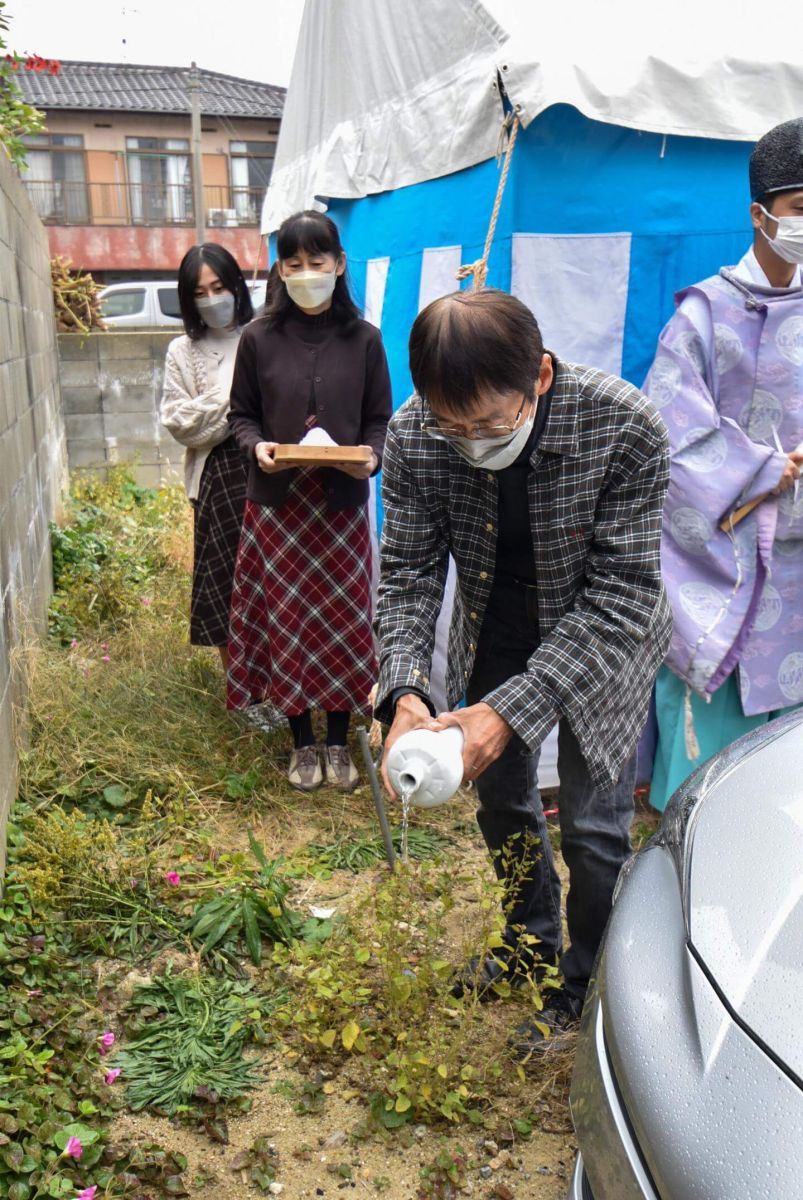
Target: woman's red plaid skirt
[{"x": 300, "y": 630}]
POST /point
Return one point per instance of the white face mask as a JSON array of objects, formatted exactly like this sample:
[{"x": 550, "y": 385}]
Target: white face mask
[
  {"x": 494, "y": 454},
  {"x": 788, "y": 240},
  {"x": 216, "y": 311},
  {"x": 310, "y": 289}
]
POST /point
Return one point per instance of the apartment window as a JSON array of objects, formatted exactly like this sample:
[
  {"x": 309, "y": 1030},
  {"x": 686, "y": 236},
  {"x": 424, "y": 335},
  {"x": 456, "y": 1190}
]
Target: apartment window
[
  {"x": 251, "y": 165},
  {"x": 159, "y": 180},
  {"x": 55, "y": 177}
]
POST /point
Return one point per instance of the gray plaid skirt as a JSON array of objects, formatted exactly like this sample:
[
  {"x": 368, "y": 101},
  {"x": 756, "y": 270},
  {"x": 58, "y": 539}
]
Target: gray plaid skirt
[{"x": 218, "y": 518}]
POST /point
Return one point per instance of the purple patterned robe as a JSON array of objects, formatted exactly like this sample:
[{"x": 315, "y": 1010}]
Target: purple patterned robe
[{"x": 729, "y": 385}]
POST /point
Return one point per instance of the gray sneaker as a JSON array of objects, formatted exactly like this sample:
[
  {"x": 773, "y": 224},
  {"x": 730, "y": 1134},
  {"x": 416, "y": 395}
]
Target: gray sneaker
[
  {"x": 340, "y": 769},
  {"x": 304, "y": 772}
]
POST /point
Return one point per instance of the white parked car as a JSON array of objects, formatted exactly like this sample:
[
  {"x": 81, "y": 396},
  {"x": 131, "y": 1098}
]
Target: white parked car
[{"x": 149, "y": 304}]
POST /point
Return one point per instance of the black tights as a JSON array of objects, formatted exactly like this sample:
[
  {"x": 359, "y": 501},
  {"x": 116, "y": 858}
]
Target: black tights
[{"x": 337, "y": 729}]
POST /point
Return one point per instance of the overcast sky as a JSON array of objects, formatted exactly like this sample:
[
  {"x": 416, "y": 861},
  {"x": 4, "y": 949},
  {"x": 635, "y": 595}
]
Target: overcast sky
[{"x": 254, "y": 39}]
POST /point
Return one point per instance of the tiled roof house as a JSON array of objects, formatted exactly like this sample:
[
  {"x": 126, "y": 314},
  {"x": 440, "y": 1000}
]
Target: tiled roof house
[{"x": 112, "y": 175}]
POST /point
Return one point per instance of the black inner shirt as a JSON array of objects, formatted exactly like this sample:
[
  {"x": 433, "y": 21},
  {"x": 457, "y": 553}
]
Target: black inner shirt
[{"x": 514, "y": 544}]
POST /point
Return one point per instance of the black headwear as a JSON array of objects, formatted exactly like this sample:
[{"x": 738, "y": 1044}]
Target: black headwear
[{"x": 776, "y": 164}]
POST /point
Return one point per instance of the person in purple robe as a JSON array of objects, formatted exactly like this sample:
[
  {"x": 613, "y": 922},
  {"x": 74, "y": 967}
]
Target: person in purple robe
[{"x": 728, "y": 381}]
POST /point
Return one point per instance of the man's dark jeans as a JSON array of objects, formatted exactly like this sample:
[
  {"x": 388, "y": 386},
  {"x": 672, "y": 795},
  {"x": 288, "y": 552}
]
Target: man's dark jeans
[{"x": 594, "y": 824}]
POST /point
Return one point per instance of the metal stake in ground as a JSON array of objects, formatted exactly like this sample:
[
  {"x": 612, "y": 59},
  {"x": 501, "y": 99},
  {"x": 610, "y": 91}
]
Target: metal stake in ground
[{"x": 376, "y": 792}]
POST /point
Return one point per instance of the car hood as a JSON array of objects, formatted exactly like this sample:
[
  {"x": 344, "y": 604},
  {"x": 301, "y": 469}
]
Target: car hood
[{"x": 745, "y": 890}]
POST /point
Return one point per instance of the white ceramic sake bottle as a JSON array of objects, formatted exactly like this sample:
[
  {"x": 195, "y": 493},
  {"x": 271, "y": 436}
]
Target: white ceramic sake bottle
[{"x": 427, "y": 765}]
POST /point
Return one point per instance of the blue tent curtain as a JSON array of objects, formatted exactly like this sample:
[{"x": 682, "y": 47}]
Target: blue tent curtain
[{"x": 684, "y": 202}]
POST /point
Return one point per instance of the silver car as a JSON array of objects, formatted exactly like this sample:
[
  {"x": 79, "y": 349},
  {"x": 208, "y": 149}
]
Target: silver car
[{"x": 688, "y": 1081}]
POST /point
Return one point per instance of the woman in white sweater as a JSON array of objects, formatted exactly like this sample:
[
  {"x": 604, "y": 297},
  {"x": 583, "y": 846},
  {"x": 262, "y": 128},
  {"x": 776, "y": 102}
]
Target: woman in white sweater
[{"x": 215, "y": 306}]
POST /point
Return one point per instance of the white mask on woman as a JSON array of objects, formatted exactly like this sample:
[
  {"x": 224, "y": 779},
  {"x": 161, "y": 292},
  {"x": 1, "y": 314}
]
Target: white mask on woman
[{"x": 310, "y": 289}]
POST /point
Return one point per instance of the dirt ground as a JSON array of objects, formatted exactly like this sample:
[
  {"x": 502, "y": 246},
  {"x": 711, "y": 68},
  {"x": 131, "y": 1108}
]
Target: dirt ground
[
  {"x": 313, "y": 1150},
  {"x": 320, "y": 1153}
]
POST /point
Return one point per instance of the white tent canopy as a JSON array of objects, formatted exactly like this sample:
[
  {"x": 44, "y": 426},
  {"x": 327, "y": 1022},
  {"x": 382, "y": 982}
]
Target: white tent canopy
[{"x": 388, "y": 93}]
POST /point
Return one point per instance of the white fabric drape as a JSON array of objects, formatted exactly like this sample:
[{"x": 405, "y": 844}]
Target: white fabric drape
[
  {"x": 57, "y": 184},
  {"x": 561, "y": 278},
  {"x": 177, "y": 177},
  {"x": 416, "y": 99}
]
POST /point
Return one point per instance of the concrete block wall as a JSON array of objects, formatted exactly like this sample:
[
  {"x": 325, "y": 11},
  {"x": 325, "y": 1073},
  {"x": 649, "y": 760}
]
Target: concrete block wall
[
  {"x": 32, "y": 454},
  {"x": 111, "y": 386}
]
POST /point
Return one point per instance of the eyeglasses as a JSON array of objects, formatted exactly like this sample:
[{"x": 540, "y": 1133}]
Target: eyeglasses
[{"x": 443, "y": 433}]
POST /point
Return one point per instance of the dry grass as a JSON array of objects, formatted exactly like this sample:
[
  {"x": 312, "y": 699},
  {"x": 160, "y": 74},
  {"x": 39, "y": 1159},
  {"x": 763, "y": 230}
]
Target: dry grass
[{"x": 150, "y": 718}]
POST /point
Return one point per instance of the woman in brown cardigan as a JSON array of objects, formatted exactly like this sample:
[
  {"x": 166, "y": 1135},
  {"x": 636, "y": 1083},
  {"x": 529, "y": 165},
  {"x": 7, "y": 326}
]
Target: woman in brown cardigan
[{"x": 300, "y": 632}]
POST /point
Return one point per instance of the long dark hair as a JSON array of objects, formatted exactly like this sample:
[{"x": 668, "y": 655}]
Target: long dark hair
[
  {"x": 228, "y": 272},
  {"x": 314, "y": 233}
]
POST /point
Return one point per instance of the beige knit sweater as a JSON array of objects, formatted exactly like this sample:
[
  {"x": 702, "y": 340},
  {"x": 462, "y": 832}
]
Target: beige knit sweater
[{"x": 195, "y": 398}]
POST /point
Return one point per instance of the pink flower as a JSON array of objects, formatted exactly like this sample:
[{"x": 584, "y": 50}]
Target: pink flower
[
  {"x": 173, "y": 878},
  {"x": 87, "y": 1193},
  {"x": 106, "y": 1042},
  {"x": 73, "y": 1149},
  {"x": 35, "y": 992},
  {"x": 146, "y": 600},
  {"x": 112, "y": 1075},
  {"x": 105, "y": 658},
  {"x": 73, "y": 643}
]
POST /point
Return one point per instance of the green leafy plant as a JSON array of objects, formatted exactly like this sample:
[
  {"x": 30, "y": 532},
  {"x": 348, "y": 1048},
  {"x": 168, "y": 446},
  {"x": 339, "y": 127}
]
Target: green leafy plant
[
  {"x": 361, "y": 851},
  {"x": 132, "y": 707},
  {"x": 109, "y": 554},
  {"x": 52, "y": 1078},
  {"x": 378, "y": 994},
  {"x": 186, "y": 1042},
  {"x": 443, "y": 1178},
  {"x": 80, "y": 868},
  {"x": 241, "y": 786},
  {"x": 250, "y": 912},
  {"x": 259, "y": 1163},
  {"x": 18, "y": 120},
  {"x": 147, "y": 1165}
]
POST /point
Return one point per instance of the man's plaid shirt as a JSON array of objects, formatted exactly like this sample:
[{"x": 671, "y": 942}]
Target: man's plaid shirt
[{"x": 600, "y": 473}]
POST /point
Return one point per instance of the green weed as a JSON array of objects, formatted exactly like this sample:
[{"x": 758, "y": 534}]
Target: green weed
[
  {"x": 52, "y": 1077},
  {"x": 106, "y": 894},
  {"x": 259, "y": 1162},
  {"x": 362, "y": 850},
  {"x": 250, "y": 912},
  {"x": 134, "y": 769},
  {"x": 445, "y": 1176},
  {"x": 186, "y": 1042},
  {"x": 378, "y": 993},
  {"x": 111, "y": 555}
]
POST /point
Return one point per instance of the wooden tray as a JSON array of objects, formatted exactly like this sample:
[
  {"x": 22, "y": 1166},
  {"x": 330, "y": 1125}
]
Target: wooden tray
[{"x": 321, "y": 456}]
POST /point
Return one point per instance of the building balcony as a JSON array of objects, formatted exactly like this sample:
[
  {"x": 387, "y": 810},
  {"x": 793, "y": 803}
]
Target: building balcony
[{"x": 66, "y": 202}]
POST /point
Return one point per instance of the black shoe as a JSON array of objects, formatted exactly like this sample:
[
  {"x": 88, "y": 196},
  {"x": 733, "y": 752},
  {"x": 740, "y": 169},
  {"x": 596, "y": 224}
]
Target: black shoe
[
  {"x": 552, "y": 1030},
  {"x": 486, "y": 977}
]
